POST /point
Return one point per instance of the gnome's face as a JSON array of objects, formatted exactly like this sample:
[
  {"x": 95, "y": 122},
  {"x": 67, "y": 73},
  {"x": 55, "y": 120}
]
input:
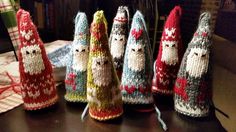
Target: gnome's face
[
  {"x": 80, "y": 57},
  {"x": 117, "y": 45},
  {"x": 101, "y": 70},
  {"x": 136, "y": 57},
  {"x": 169, "y": 52},
  {"x": 32, "y": 59},
  {"x": 197, "y": 62}
]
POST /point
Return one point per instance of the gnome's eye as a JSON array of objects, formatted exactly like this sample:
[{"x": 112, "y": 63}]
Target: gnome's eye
[
  {"x": 167, "y": 45},
  {"x": 133, "y": 49},
  {"x": 195, "y": 53},
  {"x": 204, "y": 55},
  {"x": 139, "y": 50},
  {"x": 173, "y": 45},
  {"x": 34, "y": 51},
  {"x": 115, "y": 39},
  {"x": 77, "y": 50},
  {"x": 105, "y": 62},
  {"x": 98, "y": 63},
  {"x": 121, "y": 39},
  {"x": 83, "y": 50},
  {"x": 27, "y": 52}
]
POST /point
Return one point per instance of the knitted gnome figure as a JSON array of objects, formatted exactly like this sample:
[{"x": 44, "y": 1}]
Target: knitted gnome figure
[
  {"x": 118, "y": 37},
  {"x": 169, "y": 56},
  {"x": 76, "y": 72},
  {"x": 38, "y": 87},
  {"x": 192, "y": 87},
  {"x": 103, "y": 92},
  {"x": 137, "y": 71}
]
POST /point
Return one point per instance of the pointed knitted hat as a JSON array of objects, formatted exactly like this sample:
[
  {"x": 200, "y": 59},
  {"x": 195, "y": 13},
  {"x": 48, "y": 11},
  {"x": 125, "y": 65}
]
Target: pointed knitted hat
[
  {"x": 76, "y": 71},
  {"x": 137, "y": 71},
  {"x": 118, "y": 37},
  {"x": 103, "y": 92},
  {"x": 192, "y": 88},
  {"x": 169, "y": 56},
  {"x": 38, "y": 87}
]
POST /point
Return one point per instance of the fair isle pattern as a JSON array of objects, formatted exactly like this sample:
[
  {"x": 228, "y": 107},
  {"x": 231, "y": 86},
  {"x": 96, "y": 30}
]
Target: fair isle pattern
[
  {"x": 38, "y": 86},
  {"x": 76, "y": 70},
  {"x": 192, "y": 88},
  {"x": 118, "y": 37},
  {"x": 137, "y": 71},
  {"x": 103, "y": 92},
  {"x": 169, "y": 56},
  {"x": 9, "y": 17}
]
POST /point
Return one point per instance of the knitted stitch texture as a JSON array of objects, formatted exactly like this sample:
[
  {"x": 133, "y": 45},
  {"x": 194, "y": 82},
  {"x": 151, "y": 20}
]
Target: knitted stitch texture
[
  {"x": 169, "y": 56},
  {"x": 103, "y": 92},
  {"x": 118, "y": 38},
  {"x": 38, "y": 87},
  {"x": 76, "y": 72},
  {"x": 137, "y": 71},
  {"x": 193, "y": 84}
]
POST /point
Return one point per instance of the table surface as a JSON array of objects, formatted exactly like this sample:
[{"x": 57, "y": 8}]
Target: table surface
[{"x": 65, "y": 117}]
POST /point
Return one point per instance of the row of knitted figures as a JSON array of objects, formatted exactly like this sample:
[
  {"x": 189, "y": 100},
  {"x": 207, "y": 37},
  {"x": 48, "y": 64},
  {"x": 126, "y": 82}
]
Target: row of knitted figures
[{"x": 91, "y": 74}]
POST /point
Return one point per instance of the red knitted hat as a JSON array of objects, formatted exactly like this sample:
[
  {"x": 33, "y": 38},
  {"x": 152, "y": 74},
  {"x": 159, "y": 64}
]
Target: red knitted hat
[
  {"x": 38, "y": 87},
  {"x": 170, "y": 53}
]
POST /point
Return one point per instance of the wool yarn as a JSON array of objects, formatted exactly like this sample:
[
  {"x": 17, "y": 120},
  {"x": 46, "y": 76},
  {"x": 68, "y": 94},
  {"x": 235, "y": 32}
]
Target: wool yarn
[
  {"x": 118, "y": 37},
  {"x": 38, "y": 86},
  {"x": 103, "y": 94},
  {"x": 193, "y": 84},
  {"x": 137, "y": 71},
  {"x": 169, "y": 56},
  {"x": 76, "y": 70}
]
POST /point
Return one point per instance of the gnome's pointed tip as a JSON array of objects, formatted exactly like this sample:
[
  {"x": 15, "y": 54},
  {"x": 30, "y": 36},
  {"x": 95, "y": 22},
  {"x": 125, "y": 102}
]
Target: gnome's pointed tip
[
  {"x": 178, "y": 10},
  {"x": 138, "y": 14},
  {"x": 22, "y": 13},
  {"x": 205, "y": 15}
]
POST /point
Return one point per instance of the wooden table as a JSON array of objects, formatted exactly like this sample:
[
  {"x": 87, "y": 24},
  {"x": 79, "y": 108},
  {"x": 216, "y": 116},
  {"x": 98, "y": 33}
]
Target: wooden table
[{"x": 65, "y": 117}]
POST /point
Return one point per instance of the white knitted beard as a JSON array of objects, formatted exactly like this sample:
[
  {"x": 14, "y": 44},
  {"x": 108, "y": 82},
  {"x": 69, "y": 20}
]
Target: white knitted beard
[
  {"x": 32, "y": 59},
  {"x": 136, "y": 57},
  {"x": 197, "y": 62},
  {"x": 101, "y": 70},
  {"x": 80, "y": 58},
  {"x": 117, "y": 45},
  {"x": 169, "y": 52}
]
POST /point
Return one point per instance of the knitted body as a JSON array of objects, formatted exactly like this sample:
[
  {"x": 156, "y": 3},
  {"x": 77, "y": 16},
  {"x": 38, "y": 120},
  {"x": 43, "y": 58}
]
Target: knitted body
[
  {"x": 118, "y": 38},
  {"x": 192, "y": 88},
  {"x": 103, "y": 92},
  {"x": 38, "y": 87},
  {"x": 76, "y": 72},
  {"x": 169, "y": 55},
  {"x": 137, "y": 70}
]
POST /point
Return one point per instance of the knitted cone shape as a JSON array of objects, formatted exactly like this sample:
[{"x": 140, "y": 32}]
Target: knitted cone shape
[
  {"x": 76, "y": 72},
  {"x": 38, "y": 87},
  {"x": 137, "y": 71},
  {"x": 192, "y": 87},
  {"x": 118, "y": 38},
  {"x": 103, "y": 92},
  {"x": 169, "y": 56}
]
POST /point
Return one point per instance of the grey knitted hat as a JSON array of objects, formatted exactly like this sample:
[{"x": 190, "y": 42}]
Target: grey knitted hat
[{"x": 192, "y": 87}]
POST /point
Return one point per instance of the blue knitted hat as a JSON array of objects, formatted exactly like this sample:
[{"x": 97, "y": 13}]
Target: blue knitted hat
[
  {"x": 137, "y": 69},
  {"x": 76, "y": 72}
]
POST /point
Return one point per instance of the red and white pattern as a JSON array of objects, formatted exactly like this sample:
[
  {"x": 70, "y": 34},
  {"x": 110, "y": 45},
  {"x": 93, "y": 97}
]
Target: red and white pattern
[
  {"x": 170, "y": 54},
  {"x": 38, "y": 86}
]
